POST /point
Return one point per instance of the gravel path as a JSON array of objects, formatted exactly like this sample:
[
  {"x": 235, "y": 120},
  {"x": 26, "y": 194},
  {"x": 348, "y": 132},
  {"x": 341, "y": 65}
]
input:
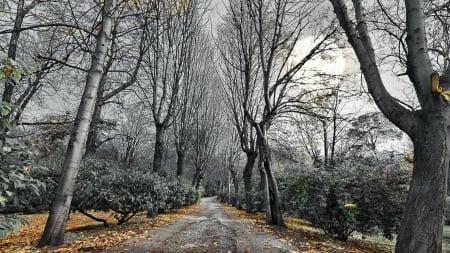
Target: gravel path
[{"x": 212, "y": 230}]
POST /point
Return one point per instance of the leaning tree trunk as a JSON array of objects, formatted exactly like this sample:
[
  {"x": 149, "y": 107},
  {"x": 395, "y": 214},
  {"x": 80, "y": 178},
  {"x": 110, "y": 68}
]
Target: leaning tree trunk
[
  {"x": 424, "y": 210},
  {"x": 57, "y": 220},
  {"x": 91, "y": 146},
  {"x": 248, "y": 171},
  {"x": 158, "y": 154}
]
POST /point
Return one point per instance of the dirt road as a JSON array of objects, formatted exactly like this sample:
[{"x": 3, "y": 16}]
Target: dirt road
[{"x": 212, "y": 230}]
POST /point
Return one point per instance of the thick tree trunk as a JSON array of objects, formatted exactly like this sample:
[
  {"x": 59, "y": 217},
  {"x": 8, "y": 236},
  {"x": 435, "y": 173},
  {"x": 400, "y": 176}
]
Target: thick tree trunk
[
  {"x": 159, "y": 148},
  {"x": 57, "y": 220},
  {"x": 248, "y": 171},
  {"x": 265, "y": 189},
  {"x": 272, "y": 199},
  {"x": 180, "y": 163},
  {"x": 422, "y": 223},
  {"x": 275, "y": 205}
]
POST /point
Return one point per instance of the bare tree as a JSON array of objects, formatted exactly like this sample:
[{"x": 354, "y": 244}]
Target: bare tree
[
  {"x": 232, "y": 156},
  {"x": 130, "y": 29},
  {"x": 422, "y": 223},
  {"x": 206, "y": 130},
  {"x": 55, "y": 227},
  {"x": 132, "y": 137},
  {"x": 279, "y": 26},
  {"x": 22, "y": 11},
  {"x": 172, "y": 28},
  {"x": 197, "y": 75},
  {"x": 31, "y": 48},
  {"x": 239, "y": 73}
]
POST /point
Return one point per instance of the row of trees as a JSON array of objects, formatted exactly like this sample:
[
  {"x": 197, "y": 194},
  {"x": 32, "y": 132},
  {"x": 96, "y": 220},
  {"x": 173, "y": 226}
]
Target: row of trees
[
  {"x": 154, "y": 60},
  {"x": 156, "y": 51},
  {"x": 258, "y": 45}
]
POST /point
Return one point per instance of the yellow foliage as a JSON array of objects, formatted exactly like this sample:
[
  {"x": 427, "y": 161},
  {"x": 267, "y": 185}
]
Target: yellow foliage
[
  {"x": 8, "y": 71},
  {"x": 409, "y": 157},
  {"x": 436, "y": 89},
  {"x": 181, "y": 6},
  {"x": 350, "y": 206}
]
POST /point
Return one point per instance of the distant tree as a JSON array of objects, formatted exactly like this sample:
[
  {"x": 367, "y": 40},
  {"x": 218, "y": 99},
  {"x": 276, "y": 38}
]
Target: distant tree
[
  {"x": 279, "y": 27},
  {"x": 197, "y": 76},
  {"x": 369, "y": 130},
  {"x": 231, "y": 158},
  {"x": 239, "y": 74},
  {"x": 132, "y": 137},
  {"x": 206, "y": 131},
  {"x": 171, "y": 29}
]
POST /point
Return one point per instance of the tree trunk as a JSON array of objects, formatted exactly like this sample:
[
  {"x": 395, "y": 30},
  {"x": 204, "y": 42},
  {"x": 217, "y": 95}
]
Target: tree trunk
[
  {"x": 12, "y": 48},
  {"x": 91, "y": 146},
  {"x": 199, "y": 180},
  {"x": 265, "y": 189},
  {"x": 180, "y": 163},
  {"x": 325, "y": 145},
  {"x": 57, "y": 220},
  {"x": 234, "y": 177},
  {"x": 272, "y": 199},
  {"x": 197, "y": 177},
  {"x": 275, "y": 205},
  {"x": 248, "y": 171},
  {"x": 422, "y": 222},
  {"x": 159, "y": 148}
]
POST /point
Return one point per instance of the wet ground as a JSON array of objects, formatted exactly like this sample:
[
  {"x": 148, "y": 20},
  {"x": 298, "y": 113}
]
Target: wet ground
[{"x": 210, "y": 230}]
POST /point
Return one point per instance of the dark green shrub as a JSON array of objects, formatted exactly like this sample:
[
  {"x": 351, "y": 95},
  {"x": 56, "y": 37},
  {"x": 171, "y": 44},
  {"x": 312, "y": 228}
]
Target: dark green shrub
[
  {"x": 357, "y": 195},
  {"x": 104, "y": 186}
]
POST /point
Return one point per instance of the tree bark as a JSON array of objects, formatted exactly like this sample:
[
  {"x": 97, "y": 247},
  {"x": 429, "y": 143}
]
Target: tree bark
[
  {"x": 55, "y": 227},
  {"x": 91, "y": 146},
  {"x": 198, "y": 176},
  {"x": 248, "y": 171},
  {"x": 234, "y": 177},
  {"x": 265, "y": 189},
  {"x": 275, "y": 206},
  {"x": 422, "y": 222},
  {"x": 272, "y": 199},
  {"x": 158, "y": 154},
  {"x": 12, "y": 49},
  {"x": 180, "y": 163}
]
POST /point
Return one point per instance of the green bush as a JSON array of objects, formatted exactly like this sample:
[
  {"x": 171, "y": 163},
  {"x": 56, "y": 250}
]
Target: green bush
[
  {"x": 357, "y": 195},
  {"x": 104, "y": 186},
  {"x": 17, "y": 186}
]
